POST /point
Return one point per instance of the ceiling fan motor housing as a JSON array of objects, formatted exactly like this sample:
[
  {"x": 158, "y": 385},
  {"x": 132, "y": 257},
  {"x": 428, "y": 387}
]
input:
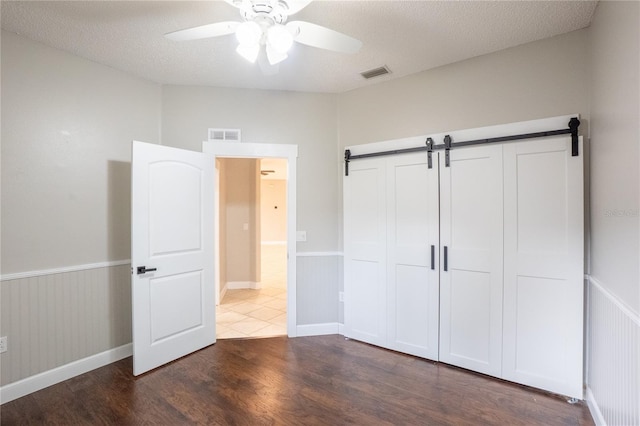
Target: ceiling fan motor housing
[{"x": 273, "y": 12}]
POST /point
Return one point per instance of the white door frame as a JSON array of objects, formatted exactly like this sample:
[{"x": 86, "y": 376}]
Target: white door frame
[
  {"x": 216, "y": 226},
  {"x": 290, "y": 153}
]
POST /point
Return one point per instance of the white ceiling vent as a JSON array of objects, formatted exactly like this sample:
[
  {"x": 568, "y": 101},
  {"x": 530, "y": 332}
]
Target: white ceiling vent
[
  {"x": 376, "y": 72},
  {"x": 224, "y": 135}
]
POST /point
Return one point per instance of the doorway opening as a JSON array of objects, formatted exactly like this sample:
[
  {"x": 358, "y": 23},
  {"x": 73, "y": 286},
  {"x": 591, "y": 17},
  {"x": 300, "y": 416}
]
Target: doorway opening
[
  {"x": 226, "y": 150},
  {"x": 252, "y": 247}
]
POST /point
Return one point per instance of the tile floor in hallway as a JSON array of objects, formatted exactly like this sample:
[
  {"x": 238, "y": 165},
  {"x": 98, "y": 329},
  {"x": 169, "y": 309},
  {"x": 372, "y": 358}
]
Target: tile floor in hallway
[{"x": 261, "y": 312}]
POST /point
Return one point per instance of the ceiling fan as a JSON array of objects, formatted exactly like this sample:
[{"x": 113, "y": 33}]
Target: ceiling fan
[{"x": 265, "y": 24}]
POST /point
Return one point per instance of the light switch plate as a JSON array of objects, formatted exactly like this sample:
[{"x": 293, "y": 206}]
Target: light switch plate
[{"x": 301, "y": 236}]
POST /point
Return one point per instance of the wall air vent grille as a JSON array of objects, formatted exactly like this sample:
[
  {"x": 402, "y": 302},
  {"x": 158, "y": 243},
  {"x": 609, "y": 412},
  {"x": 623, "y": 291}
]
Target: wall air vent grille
[
  {"x": 376, "y": 72},
  {"x": 224, "y": 135}
]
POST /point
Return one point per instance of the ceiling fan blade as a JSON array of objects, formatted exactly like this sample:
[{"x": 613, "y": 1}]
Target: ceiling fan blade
[
  {"x": 295, "y": 6},
  {"x": 244, "y": 5},
  {"x": 322, "y": 37},
  {"x": 204, "y": 31}
]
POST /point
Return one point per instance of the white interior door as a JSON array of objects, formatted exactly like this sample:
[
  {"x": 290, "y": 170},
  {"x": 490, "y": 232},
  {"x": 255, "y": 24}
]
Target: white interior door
[
  {"x": 543, "y": 281},
  {"x": 412, "y": 255},
  {"x": 471, "y": 270},
  {"x": 172, "y": 231},
  {"x": 365, "y": 246}
]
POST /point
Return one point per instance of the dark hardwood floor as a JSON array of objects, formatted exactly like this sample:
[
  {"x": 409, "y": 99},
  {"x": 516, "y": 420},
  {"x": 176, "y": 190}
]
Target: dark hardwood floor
[{"x": 323, "y": 380}]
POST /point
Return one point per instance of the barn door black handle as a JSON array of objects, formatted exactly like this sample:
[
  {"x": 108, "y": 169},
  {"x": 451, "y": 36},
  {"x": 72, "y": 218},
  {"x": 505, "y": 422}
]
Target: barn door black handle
[
  {"x": 433, "y": 257},
  {"x": 446, "y": 259},
  {"x": 144, "y": 269}
]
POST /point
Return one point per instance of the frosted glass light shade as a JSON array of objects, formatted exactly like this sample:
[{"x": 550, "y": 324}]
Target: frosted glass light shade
[
  {"x": 248, "y": 33},
  {"x": 274, "y": 56},
  {"x": 250, "y": 53},
  {"x": 279, "y": 38}
]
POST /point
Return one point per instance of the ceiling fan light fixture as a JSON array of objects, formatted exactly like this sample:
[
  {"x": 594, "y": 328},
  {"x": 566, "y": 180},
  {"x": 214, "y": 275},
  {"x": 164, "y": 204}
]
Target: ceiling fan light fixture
[
  {"x": 249, "y": 33},
  {"x": 265, "y": 23},
  {"x": 250, "y": 53},
  {"x": 279, "y": 38}
]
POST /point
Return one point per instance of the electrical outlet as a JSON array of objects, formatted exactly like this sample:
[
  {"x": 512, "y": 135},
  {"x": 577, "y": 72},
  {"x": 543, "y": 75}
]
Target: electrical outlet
[
  {"x": 3, "y": 344},
  {"x": 341, "y": 296}
]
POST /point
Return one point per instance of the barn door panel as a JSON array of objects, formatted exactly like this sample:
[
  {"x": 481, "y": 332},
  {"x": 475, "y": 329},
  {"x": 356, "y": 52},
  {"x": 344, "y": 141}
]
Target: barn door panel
[
  {"x": 471, "y": 223},
  {"x": 412, "y": 259},
  {"x": 365, "y": 243},
  {"x": 543, "y": 282}
]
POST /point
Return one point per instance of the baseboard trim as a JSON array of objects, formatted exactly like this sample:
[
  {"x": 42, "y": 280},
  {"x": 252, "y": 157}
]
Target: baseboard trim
[
  {"x": 238, "y": 285},
  {"x": 598, "y": 418},
  {"x": 75, "y": 268},
  {"x": 223, "y": 292},
  {"x": 318, "y": 329},
  {"x": 60, "y": 374}
]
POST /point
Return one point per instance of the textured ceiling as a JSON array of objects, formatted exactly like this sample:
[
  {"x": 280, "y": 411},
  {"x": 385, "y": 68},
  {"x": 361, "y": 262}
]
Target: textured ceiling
[{"x": 407, "y": 36}]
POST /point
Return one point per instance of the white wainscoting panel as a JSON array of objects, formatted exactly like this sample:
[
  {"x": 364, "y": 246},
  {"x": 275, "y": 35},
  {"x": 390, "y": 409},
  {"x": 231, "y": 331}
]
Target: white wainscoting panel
[
  {"x": 613, "y": 378},
  {"x": 317, "y": 293},
  {"x": 55, "y": 319}
]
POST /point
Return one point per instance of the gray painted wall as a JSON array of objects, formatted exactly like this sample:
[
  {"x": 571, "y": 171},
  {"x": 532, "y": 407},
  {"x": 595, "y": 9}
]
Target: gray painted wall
[
  {"x": 242, "y": 204},
  {"x": 615, "y": 149},
  {"x": 67, "y": 127},
  {"x": 537, "y": 80}
]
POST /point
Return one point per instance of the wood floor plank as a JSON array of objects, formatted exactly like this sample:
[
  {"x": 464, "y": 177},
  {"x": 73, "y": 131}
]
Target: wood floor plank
[{"x": 322, "y": 380}]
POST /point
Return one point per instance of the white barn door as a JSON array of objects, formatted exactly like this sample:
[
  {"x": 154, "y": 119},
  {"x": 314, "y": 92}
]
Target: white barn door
[
  {"x": 471, "y": 264},
  {"x": 391, "y": 253},
  {"x": 365, "y": 245},
  {"x": 412, "y": 255},
  {"x": 172, "y": 232},
  {"x": 543, "y": 282}
]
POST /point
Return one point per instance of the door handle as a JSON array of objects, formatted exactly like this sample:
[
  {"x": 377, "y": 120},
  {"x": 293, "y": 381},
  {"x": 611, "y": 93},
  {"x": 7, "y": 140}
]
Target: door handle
[
  {"x": 433, "y": 257},
  {"x": 144, "y": 269},
  {"x": 446, "y": 259}
]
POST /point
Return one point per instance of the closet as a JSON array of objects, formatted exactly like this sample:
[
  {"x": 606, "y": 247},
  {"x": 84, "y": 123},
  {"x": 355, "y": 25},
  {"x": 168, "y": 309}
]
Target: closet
[{"x": 472, "y": 256}]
